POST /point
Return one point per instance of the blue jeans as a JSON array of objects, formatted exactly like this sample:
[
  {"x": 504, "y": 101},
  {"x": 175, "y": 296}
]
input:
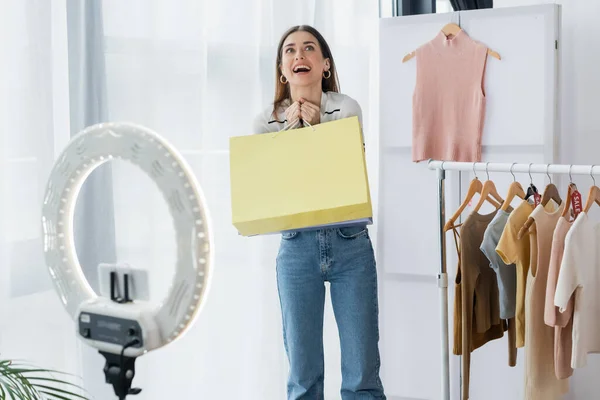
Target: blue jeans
[{"x": 345, "y": 258}]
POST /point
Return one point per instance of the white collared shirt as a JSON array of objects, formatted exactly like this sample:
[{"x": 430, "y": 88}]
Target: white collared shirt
[{"x": 333, "y": 106}]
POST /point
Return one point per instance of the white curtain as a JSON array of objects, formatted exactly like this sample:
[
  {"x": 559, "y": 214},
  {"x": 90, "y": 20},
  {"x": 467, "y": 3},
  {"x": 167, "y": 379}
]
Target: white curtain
[
  {"x": 196, "y": 71},
  {"x": 34, "y": 126}
]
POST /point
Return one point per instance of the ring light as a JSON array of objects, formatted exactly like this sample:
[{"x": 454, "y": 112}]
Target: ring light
[{"x": 132, "y": 328}]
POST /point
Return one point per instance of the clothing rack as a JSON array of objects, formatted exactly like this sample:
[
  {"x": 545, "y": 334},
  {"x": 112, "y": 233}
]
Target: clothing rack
[{"x": 442, "y": 167}]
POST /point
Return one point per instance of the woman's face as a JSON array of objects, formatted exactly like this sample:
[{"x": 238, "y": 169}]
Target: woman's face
[{"x": 302, "y": 61}]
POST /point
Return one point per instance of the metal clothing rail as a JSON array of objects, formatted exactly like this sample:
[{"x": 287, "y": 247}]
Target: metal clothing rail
[{"x": 442, "y": 167}]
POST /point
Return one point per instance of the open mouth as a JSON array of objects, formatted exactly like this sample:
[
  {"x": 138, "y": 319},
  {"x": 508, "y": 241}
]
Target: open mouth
[{"x": 301, "y": 69}]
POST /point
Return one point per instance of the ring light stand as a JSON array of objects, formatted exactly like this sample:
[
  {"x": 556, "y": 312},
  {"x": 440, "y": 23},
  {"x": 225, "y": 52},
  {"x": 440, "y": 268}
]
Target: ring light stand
[{"x": 123, "y": 329}]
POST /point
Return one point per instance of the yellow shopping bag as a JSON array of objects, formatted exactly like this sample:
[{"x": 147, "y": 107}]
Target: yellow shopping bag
[{"x": 300, "y": 179}]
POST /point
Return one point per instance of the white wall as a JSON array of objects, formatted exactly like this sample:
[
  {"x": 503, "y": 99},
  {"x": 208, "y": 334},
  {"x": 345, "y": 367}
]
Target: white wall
[{"x": 579, "y": 78}]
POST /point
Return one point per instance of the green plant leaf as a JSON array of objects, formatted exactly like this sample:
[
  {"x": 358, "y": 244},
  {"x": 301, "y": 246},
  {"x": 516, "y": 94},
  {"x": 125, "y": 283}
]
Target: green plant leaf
[
  {"x": 61, "y": 391},
  {"x": 23, "y": 368},
  {"x": 49, "y": 371},
  {"x": 34, "y": 379},
  {"x": 15, "y": 382},
  {"x": 14, "y": 388},
  {"x": 10, "y": 385},
  {"x": 56, "y": 396},
  {"x": 22, "y": 382},
  {"x": 12, "y": 392},
  {"x": 39, "y": 378}
]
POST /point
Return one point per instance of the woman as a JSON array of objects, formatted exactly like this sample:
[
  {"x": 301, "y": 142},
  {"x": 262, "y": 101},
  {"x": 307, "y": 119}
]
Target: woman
[{"x": 307, "y": 93}]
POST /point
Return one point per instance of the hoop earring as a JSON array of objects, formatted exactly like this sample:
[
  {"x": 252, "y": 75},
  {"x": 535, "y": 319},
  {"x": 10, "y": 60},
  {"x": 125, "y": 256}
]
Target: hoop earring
[
  {"x": 283, "y": 79},
  {"x": 328, "y": 72}
]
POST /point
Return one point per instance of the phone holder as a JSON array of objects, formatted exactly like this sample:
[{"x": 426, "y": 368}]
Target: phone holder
[{"x": 122, "y": 281}]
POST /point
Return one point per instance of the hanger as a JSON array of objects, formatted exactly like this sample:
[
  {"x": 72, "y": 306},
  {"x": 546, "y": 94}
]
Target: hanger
[
  {"x": 515, "y": 189},
  {"x": 489, "y": 188},
  {"x": 551, "y": 191},
  {"x": 594, "y": 194},
  {"x": 474, "y": 187},
  {"x": 531, "y": 190},
  {"x": 450, "y": 29},
  {"x": 572, "y": 189},
  {"x": 567, "y": 209}
]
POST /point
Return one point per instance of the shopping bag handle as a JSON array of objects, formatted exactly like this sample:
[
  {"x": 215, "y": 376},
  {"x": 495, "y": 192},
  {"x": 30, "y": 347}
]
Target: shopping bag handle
[{"x": 285, "y": 128}]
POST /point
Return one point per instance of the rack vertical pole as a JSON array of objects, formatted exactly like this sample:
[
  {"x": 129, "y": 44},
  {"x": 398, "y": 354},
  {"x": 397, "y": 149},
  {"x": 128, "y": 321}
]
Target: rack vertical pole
[{"x": 443, "y": 285}]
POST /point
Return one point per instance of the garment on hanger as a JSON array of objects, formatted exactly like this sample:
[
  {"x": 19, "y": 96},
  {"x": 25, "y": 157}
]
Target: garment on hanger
[
  {"x": 541, "y": 382},
  {"x": 561, "y": 322},
  {"x": 580, "y": 275},
  {"x": 449, "y": 99},
  {"x": 506, "y": 273},
  {"x": 516, "y": 251},
  {"x": 506, "y": 276},
  {"x": 476, "y": 304}
]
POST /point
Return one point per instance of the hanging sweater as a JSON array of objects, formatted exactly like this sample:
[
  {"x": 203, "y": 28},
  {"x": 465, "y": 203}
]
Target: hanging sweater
[
  {"x": 541, "y": 382},
  {"x": 562, "y": 322},
  {"x": 449, "y": 100},
  {"x": 518, "y": 251},
  {"x": 476, "y": 302},
  {"x": 580, "y": 277}
]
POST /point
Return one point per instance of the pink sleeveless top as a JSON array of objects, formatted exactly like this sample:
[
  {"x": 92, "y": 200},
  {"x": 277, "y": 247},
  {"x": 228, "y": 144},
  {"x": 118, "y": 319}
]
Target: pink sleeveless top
[{"x": 449, "y": 100}]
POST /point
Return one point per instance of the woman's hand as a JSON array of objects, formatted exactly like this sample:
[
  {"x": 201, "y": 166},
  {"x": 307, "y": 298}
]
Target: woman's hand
[
  {"x": 292, "y": 113},
  {"x": 310, "y": 112}
]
